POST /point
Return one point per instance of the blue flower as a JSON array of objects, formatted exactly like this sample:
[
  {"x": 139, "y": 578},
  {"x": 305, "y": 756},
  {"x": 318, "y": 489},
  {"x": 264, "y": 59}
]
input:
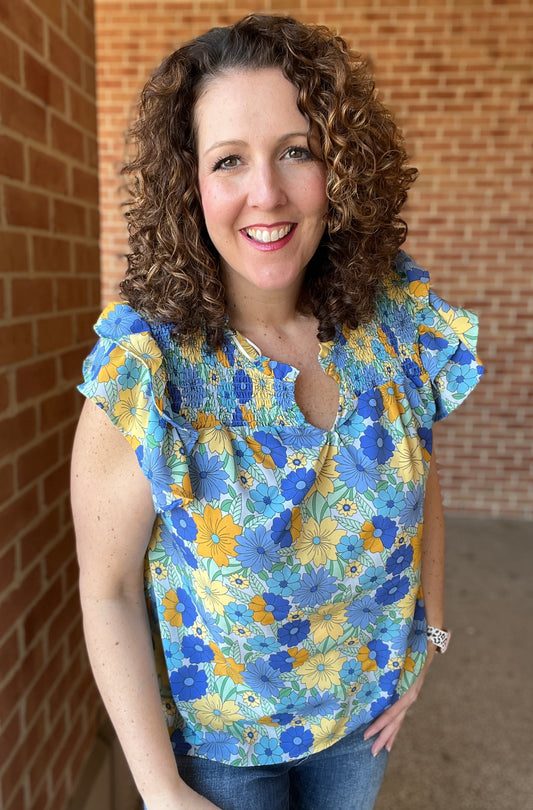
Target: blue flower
[
  {"x": 218, "y": 745},
  {"x": 351, "y": 670},
  {"x": 243, "y": 386},
  {"x": 370, "y": 404},
  {"x": 417, "y": 638},
  {"x": 243, "y": 455},
  {"x": 372, "y": 577},
  {"x": 391, "y": 337},
  {"x": 157, "y": 427},
  {"x": 462, "y": 378},
  {"x": 277, "y": 605},
  {"x": 271, "y": 446},
  {"x": 392, "y": 591},
  {"x": 128, "y": 374},
  {"x": 295, "y": 741},
  {"x": 284, "y": 581},
  {"x": 377, "y": 444},
  {"x": 284, "y": 394},
  {"x": 180, "y": 746},
  {"x": 389, "y": 501},
  {"x": 260, "y": 676},
  {"x": 304, "y": 436},
  {"x": 297, "y": 484},
  {"x": 389, "y": 680},
  {"x": 363, "y": 612},
  {"x": 281, "y": 661},
  {"x": 368, "y": 692},
  {"x": 316, "y": 588},
  {"x": 354, "y": 425},
  {"x": 267, "y": 500},
  {"x": 188, "y": 683},
  {"x": 155, "y": 468},
  {"x": 350, "y": 547},
  {"x": 414, "y": 504},
  {"x": 412, "y": 371},
  {"x": 184, "y": 524},
  {"x": 426, "y": 439},
  {"x": 263, "y": 644},
  {"x": 281, "y": 527},
  {"x": 238, "y": 613},
  {"x": 293, "y": 632},
  {"x": 399, "y": 559},
  {"x": 208, "y": 477},
  {"x": 122, "y": 320},
  {"x": 379, "y": 652},
  {"x": 268, "y": 751},
  {"x": 433, "y": 341},
  {"x": 379, "y": 706},
  {"x": 356, "y": 469},
  {"x": 196, "y": 651},
  {"x": 256, "y": 549},
  {"x": 321, "y": 704},
  {"x": 173, "y": 654}
]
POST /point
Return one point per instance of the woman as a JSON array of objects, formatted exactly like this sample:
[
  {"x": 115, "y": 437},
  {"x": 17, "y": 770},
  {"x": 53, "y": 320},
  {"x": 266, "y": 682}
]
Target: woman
[{"x": 255, "y": 451}]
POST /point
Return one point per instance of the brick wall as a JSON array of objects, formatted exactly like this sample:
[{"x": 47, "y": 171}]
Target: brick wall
[
  {"x": 458, "y": 74},
  {"x": 49, "y": 295}
]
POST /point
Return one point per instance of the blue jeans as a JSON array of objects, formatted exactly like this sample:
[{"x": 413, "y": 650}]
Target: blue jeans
[{"x": 344, "y": 776}]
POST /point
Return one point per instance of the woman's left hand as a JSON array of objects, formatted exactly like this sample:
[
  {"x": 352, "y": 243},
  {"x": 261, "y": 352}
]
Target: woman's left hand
[{"x": 388, "y": 724}]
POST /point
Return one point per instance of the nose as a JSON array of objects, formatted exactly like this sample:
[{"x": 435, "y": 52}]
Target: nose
[{"x": 266, "y": 189}]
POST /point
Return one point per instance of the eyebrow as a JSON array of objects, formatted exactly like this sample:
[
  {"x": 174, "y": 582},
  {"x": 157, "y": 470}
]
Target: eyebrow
[{"x": 231, "y": 142}]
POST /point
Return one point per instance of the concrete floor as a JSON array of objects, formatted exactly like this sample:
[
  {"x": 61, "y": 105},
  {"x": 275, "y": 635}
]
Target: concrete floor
[{"x": 468, "y": 742}]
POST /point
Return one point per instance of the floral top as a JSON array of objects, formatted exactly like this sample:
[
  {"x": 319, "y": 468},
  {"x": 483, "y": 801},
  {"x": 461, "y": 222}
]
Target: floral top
[{"x": 283, "y": 572}]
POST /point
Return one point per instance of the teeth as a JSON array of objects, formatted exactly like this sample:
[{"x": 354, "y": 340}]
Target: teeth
[{"x": 260, "y": 235}]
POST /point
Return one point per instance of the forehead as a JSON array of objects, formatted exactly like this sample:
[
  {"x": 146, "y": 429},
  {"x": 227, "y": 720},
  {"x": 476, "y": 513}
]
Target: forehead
[{"x": 246, "y": 103}]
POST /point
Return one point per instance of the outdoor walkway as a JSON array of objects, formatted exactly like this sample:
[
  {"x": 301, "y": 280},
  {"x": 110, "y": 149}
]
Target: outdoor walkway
[{"x": 468, "y": 742}]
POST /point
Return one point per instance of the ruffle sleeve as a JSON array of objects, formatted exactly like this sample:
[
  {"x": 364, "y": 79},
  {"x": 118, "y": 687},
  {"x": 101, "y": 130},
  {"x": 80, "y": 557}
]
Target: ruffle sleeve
[
  {"x": 447, "y": 341},
  {"x": 125, "y": 376}
]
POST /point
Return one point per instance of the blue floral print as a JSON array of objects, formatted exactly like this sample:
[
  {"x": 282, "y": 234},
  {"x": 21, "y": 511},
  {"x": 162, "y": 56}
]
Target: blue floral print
[{"x": 283, "y": 572}]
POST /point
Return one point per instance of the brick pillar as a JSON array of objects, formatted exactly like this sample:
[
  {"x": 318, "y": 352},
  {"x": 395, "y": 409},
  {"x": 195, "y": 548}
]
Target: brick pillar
[{"x": 49, "y": 297}]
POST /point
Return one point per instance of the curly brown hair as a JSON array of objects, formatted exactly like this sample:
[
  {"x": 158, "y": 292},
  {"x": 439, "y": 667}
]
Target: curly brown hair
[{"x": 173, "y": 269}]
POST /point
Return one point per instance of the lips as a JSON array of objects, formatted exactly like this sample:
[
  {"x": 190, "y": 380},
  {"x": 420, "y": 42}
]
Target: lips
[{"x": 268, "y": 236}]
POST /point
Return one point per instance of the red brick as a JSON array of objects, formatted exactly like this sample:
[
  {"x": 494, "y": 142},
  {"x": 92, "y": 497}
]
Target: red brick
[
  {"x": 87, "y": 258},
  {"x": 26, "y": 209},
  {"x": 56, "y": 484},
  {"x": 66, "y": 138},
  {"x": 31, "y": 296},
  {"x": 43, "y": 82},
  {"x": 85, "y": 185},
  {"x": 54, "y": 334},
  {"x": 69, "y": 218},
  {"x": 83, "y": 110},
  {"x": 51, "y": 255},
  {"x": 15, "y": 343},
  {"x": 36, "y": 461},
  {"x": 11, "y": 158},
  {"x": 22, "y": 114},
  {"x": 57, "y": 408},
  {"x": 35, "y": 379},
  {"x": 46, "y": 529},
  {"x": 14, "y": 256},
  {"x": 48, "y": 172},
  {"x": 7, "y": 489},
  {"x": 65, "y": 57},
  {"x": 26, "y": 26},
  {"x": 9, "y": 58}
]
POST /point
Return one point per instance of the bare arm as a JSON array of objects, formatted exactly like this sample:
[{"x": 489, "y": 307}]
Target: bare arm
[
  {"x": 114, "y": 516},
  {"x": 388, "y": 724}
]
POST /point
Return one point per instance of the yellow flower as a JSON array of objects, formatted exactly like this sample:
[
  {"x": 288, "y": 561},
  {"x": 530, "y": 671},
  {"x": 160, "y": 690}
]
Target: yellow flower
[
  {"x": 318, "y": 541},
  {"x": 212, "y": 711},
  {"x": 263, "y": 390},
  {"x": 391, "y": 351},
  {"x": 245, "y": 479},
  {"x": 395, "y": 287},
  {"x": 258, "y": 605},
  {"x": 239, "y": 582},
  {"x": 116, "y": 359},
  {"x": 391, "y": 396},
  {"x": 459, "y": 323},
  {"x": 346, "y": 507},
  {"x": 250, "y": 735},
  {"x": 216, "y": 535},
  {"x": 248, "y": 416},
  {"x": 241, "y": 631},
  {"x": 322, "y": 670},
  {"x": 407, "y": 459},
  {"x": 368, "y": 664},
  {"x": 406, "y": 606},
  {"x": 171, "y": 601},
  {"x": 326, "y": 471},
  {"x": 131, "y": 412},
  {"x": 298, "y": 656},
  {"x": 217, "y": 436},
  {"x": 226, "y": 666},
  {"x": 416, "y": 543},
  {"x": 158, "y": 571},
  {"x": 361, "y": 343},
  {"x": 102, "y": 403},
  {"x": 353, "y": 569},
  {"x": 328, "y": 621},
  {"x": 212, "y": 593},
  {"x": 297, "y": 461},
  {"x": 371, "y": 542},
  {"x": 328, "y": 732},
  {"x": 251, "y": 699},
  {"x": 143, "y": 346}
]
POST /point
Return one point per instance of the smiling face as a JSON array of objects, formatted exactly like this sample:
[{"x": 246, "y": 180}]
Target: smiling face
[{"x": 263, "y": 192}]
